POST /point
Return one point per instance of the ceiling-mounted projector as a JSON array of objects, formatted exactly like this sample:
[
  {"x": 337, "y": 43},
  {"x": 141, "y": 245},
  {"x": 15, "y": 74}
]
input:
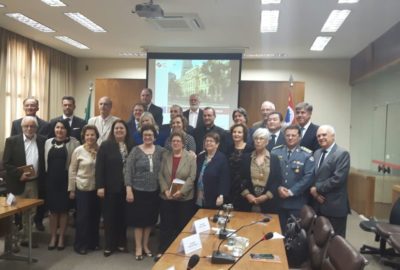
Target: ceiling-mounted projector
[{"x": 148, "y": 10}]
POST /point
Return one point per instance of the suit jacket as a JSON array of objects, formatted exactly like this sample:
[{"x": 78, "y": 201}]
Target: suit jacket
[
  {"x": 330, "y": 179},
  {"x": 157, "y": 113},
  {"x": 109, "y": 168},
  {"x": 14, "y": 157},
  {"x": 76, "y": 127},
  {"x": 216, "y": 178},
  {"x": 199, "y": 122},
  {"x": 43, "y": 128},
  {"x": 309, "y": 139},
  {"x": 186, "y": 171},
  {"x": 200, "y": 133},
  {"x": 131, "y": 123},
  {"x": 278, "y": 141}
]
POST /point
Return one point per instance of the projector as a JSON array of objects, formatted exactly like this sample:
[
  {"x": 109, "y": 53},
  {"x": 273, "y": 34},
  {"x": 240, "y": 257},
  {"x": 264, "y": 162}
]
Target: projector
[{"x": 148, "y": 10}]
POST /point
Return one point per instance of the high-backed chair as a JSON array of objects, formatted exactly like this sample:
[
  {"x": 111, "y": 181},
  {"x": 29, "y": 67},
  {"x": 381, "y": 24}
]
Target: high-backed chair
[
  {"x": 307, "y": 217},
  {"x": 342, "y": 256},
  {"x": 320, "y": 234},
  {"x": 382, "y": 231}
]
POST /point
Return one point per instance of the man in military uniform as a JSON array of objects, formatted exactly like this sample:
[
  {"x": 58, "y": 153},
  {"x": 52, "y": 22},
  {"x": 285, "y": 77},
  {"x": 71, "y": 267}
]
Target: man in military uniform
[{"x": 297, "y": 165}]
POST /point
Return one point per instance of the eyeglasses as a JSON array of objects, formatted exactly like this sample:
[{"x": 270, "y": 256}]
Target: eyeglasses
[{"x": 29, "y": 126}]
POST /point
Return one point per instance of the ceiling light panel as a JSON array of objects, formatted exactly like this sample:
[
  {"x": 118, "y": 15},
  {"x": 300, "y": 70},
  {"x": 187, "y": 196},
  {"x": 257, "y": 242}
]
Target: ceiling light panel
[
  {"x": 267, "y": 2},
  {"x": 54, "y": 3},
  {"x": 2, "y": 6},
  {"x": 85, "y": 22},
  {"x": 348, "y": 1},
  {"x": 269, "y": 21},
  {"x": 319, "y": 43},
  {"x": 30, "y": 22},
  {"x": 72, "y": 42},
  {"x": 335, "y": 20}
]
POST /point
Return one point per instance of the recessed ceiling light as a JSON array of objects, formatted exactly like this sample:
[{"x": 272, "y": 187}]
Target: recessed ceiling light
[
  {"x": 348, "y": 1},
  {"x": 269, "y": 21},
  {"x": 267, "y": 2},
  {"x": 72, "y": 42},
  {"x": 319, "y": 43},
  {"x": 54, "y": 3},
  {"x": 2, "y": 6},
  {"x": 335, "y": 20},
  {"x": 132, "y": 54},
  {"x": 85, "y": 22},
  {"x": 28, "y": 21}
]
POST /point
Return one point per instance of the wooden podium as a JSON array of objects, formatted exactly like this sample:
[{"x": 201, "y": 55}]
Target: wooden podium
[{"x": 210, "y": 243}]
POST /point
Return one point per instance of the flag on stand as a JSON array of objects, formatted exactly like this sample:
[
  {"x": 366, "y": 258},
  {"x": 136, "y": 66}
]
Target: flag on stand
[
  {"x": 290, "y": 110},
  {"x": 88, "y": 105}
]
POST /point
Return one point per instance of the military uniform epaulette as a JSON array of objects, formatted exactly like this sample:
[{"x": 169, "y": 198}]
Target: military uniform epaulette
[
  {"x": 305, "y": 149},
  {"x": 278, "y": 146}
]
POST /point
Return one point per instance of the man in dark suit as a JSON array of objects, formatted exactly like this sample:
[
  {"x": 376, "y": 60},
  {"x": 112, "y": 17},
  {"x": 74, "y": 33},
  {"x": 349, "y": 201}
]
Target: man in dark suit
[
  {"x": 145, "y": 97},
  {"x": 134, "y": 119},
  {"x": 274, "y": 125},
  {"x": 208, "y": 126},
  {"x": 31, "y": 106},
  {"x": 308, "y": 130},
  {"x": 76, "y": 123},
  {"x": 194, "y": 114},
  {"x": 330, "y": 180},
  {"x": 21, "y": 150}
]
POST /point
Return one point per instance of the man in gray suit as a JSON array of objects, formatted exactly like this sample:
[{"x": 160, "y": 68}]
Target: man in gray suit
[{"x": 330, "y": 180}]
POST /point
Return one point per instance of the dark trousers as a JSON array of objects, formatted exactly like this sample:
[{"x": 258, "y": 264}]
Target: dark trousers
[
  {"x": 284, "y": 215},
  {"x": 174, "y": 216},
  {"x": 41, "y": 209},
  {"x": 339, "y": 225},
  {"x": 87, "y": 220},
  {"x": 114, "y": 220}
]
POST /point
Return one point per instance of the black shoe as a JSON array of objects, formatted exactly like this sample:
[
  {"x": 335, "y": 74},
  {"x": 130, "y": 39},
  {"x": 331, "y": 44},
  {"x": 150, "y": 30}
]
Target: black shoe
[
  {"x": 95, "y": 248},
  {"x": 39, "y": 226},
  {"x": 107, "y": 253},
  {"x": 26, "y": 244},
  {"x": 81, "y": 251}
]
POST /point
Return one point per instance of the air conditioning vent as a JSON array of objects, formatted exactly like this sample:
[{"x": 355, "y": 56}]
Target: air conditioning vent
[{"x": 177, "y": 22}]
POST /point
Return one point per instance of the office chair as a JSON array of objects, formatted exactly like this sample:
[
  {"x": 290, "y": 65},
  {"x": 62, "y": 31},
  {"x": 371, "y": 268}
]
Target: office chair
[
  {"x": 318, "y": 240},
  {"x": 342, "y": 256},
  {"x": 307, "y": 217},
  {"x": 383, "y": 233}
]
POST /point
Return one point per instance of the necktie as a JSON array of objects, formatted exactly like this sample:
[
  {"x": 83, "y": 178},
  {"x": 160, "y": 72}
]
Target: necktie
[
  {"x": 322, "y": 158},
  {"x": 273, "y": 136},
  {"x": 289, "y": 153}
]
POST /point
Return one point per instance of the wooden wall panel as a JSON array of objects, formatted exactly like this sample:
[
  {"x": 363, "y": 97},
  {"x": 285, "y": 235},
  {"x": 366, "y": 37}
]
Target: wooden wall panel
[
  {"x": 123, "y": 92},
  {"x": 253, "y": 93}
]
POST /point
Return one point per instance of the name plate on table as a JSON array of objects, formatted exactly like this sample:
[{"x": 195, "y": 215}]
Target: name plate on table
[
  {"x": 201, "y": 225},
  {"x": 11, "y": 200},
  {"x": 190, "y": 244}
]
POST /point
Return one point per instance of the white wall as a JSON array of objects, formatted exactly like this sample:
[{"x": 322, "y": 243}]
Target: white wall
[{"x": 326, "y": 83}]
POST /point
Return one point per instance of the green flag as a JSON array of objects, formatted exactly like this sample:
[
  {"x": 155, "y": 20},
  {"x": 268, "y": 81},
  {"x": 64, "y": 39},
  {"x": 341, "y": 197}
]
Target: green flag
[{"x": 89, "y": 104}]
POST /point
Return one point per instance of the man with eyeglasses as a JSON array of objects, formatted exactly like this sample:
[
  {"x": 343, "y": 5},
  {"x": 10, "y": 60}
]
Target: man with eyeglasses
[
  {"x": 31, "y": 107},
  {"x": 22, "y": 150}
]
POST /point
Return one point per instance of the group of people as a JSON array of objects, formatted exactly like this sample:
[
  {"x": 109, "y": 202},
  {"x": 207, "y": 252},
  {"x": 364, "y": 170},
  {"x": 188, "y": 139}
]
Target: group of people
[{"x": 137, "y": 172}]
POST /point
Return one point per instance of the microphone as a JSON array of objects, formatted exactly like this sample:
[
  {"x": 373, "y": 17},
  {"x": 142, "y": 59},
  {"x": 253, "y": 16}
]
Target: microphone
[
  {"x": 267, "y": 236},
  {"x": 193, "y": 261},
  {"x": 224, "y": 233},
  {"x": 219, "y": 257},
  {"x": 217, "y": 215}
]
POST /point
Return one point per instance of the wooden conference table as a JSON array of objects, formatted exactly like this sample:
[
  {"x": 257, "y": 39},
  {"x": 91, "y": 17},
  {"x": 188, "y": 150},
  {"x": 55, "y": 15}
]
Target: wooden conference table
[
  {"x": 6, "y": 214},
  {"x": 210, "y": 243}
]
